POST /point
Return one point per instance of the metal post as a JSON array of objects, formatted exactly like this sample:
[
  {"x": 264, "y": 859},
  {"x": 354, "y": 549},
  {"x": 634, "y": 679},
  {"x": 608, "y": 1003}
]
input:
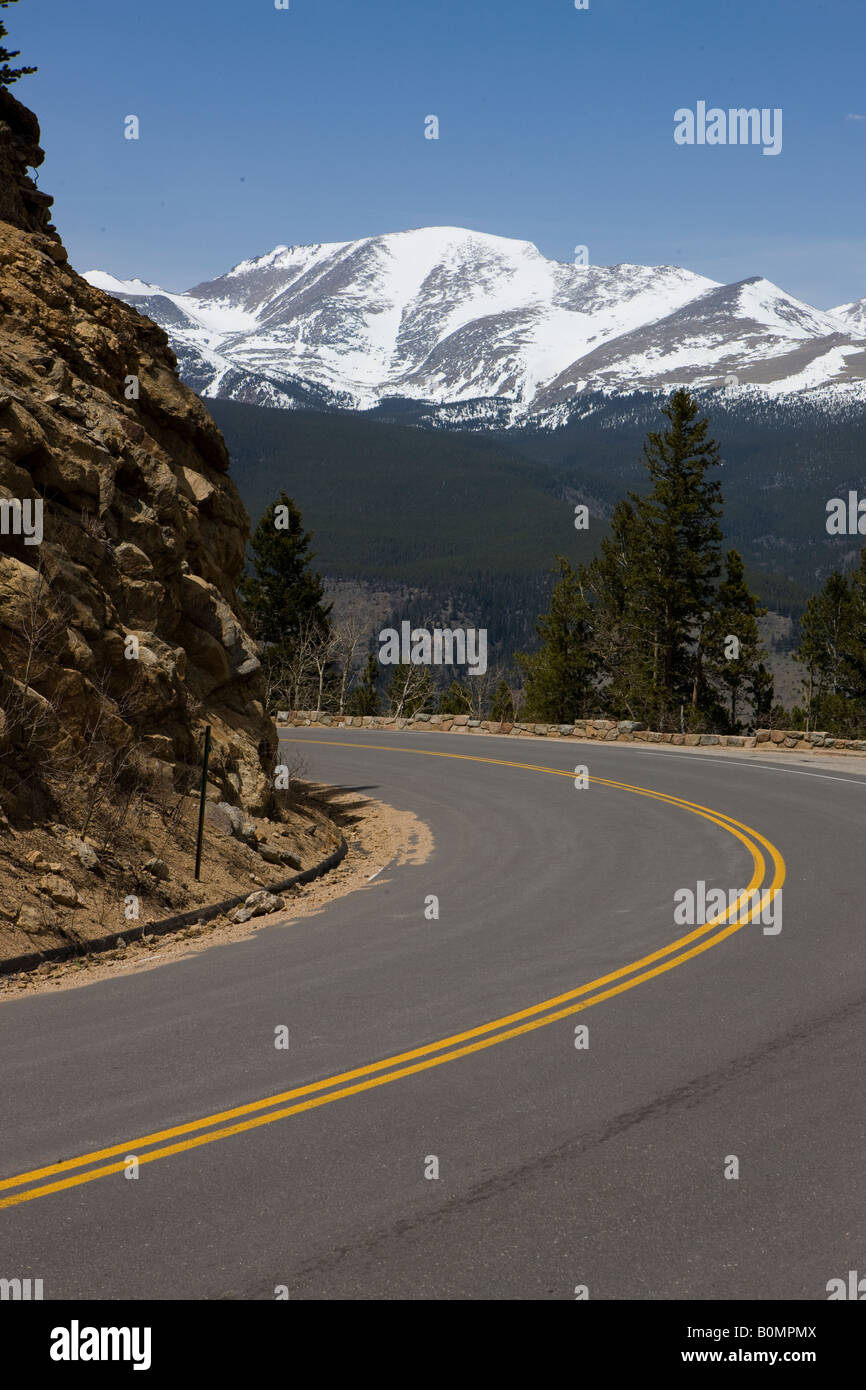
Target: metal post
[{"x": 202, "y": 801}]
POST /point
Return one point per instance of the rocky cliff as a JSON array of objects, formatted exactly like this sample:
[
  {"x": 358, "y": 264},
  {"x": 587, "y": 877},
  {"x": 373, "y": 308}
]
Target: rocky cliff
[{"x": 121, "y": 635}]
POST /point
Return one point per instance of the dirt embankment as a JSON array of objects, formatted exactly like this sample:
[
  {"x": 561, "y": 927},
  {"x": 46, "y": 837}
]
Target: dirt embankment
[{"x": 378, "y": 839}]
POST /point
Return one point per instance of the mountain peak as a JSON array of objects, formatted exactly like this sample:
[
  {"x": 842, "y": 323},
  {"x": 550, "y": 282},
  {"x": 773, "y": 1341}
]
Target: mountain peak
[{"x": 449, "y": 315}]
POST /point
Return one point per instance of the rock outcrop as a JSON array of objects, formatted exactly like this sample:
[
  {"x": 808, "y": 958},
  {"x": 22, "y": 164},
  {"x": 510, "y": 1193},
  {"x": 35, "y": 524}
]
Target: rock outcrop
[
  {"x": 21, "y": 202},
  {"x": 120, "y": 627}
]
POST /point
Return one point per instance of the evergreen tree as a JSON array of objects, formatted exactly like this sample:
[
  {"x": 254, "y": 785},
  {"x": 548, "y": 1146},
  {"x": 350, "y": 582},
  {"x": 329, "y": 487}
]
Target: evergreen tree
[
  {"x": 364, "y": 699},
  {"x": 732, "y": 667},
  {"x": 833, "y": 650},
  {"x": 824, "y": 633},
  {"x": 283, "y": 595},
  {"x": 559, "y": 675},
  {"x": 761, "y": 692},
  {"x": 853, "y": 673},
  {"x": 9, "y": 75},
  {"x": 621, "y": 619},
  {"x": 502, "y": 705},
  {"x": 285, "y": 602},
  {"x": 651, "y": 589},
  {"x": 677, "y": 561}
]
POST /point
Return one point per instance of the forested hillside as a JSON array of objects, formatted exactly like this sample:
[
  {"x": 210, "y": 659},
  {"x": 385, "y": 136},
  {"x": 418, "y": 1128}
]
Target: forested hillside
[
  {"x": 474, "y": 520},
  {"x": 459, "y": 524}
]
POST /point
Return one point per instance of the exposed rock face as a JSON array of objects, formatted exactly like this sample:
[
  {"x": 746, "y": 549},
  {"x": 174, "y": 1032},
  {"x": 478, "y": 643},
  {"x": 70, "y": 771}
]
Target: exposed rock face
[
  {"x": 21, "y": 202},
  {"x": 124, "y": 620}
]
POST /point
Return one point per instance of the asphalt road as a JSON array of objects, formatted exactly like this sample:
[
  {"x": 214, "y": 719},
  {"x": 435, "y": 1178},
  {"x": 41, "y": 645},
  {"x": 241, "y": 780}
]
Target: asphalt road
[{"x": 558, "y": 1166}]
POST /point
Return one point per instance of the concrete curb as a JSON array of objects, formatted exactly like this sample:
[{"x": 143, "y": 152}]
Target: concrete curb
[{"x": 168, "y": 924}]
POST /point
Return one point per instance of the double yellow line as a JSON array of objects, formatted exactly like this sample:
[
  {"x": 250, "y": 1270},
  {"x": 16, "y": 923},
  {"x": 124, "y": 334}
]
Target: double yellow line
[{"x": 767, "y": 860}]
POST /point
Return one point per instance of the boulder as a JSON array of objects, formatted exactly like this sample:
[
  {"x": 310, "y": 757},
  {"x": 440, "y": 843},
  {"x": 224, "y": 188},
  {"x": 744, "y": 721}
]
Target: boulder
[
  {"x": 279, "y": 856},
  {"x": 216, "y": 815},
  {"x": 257, "y": 904},
  {"x": 242, "y": 827},
  {"x": 158, "y": 869},
  {"x": 86, "y": 856},
  {"x": 33, "y": 920},
  {"x": 59, "y": 890}
]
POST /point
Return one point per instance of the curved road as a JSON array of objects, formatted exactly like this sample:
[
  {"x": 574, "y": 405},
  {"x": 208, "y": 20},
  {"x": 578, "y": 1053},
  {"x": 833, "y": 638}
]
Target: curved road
[{"x": 559, "y": 1166}]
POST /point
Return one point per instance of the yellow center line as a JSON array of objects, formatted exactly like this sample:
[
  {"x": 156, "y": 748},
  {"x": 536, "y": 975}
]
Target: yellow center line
[{"x": 446, "y": 1049}]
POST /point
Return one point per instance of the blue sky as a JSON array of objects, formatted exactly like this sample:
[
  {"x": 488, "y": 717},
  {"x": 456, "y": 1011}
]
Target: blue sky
[{"x": 262, "y": 126}]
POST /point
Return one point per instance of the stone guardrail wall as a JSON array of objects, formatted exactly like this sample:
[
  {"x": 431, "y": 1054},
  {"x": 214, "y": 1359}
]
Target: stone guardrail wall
[{"x": 605, "y": 730}]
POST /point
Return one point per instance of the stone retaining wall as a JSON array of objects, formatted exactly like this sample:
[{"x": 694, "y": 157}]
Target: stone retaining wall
[{"x": 606, "y": 730}]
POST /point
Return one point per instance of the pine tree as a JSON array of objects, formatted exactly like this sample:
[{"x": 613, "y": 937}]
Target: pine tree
[
  {"x": 283, "y": 595},
  {"x": 651, "y": 590},
  {"x": 559, "y": 684},
  {"x": 732, "y": 666},
  {"x": 824, "y": 629},
  {"x": 285, "y": 602},
  {"x": 678, "y": 560},
  {"x": 622, "y": 620},
  {"x": 853, "y": 672},
  {"x": 9, "y": 75},
  {"x": 364, "y": 699},
  {"x": 833, "y": 650},
  {"x": 761, "y": 693},
  {"x": 502, "y": 705}
]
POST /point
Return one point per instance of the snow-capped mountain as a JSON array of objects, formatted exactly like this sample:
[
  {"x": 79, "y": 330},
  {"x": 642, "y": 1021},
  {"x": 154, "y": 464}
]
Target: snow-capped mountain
[
  {"x": 446, "y": 316},
  {"x": 852, "y": 316},
  {"x": 751, "y": 332}
]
